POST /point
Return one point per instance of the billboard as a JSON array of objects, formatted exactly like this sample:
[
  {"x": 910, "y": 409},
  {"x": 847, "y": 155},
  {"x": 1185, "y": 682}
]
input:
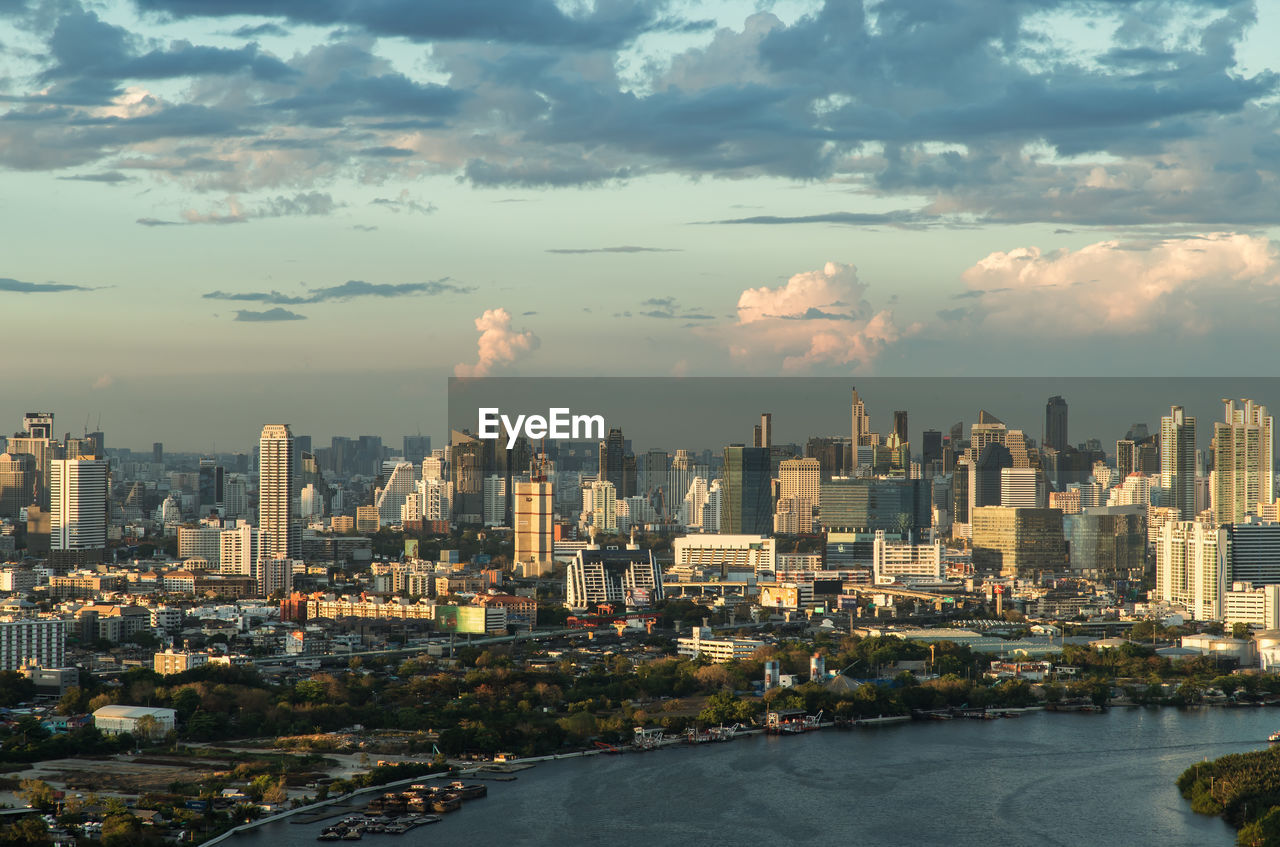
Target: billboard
[
  {"x": 780, "y": 596},
  {"x": 464, "y": 619},
  {"x": 637, "y": 598},
  {"x": 411, "y": 548}
]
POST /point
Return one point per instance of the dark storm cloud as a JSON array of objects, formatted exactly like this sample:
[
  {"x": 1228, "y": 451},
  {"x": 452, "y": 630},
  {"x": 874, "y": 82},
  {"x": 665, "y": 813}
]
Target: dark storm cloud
[
  {"x": 17, "y": 286},
  {"x": 276, "y": 314},
  {"x": 542, "y": 22},
  {"x": 626, "y": 248},
  {"x": 953, "y": 101},
  {"x": 346, "y": 291}
]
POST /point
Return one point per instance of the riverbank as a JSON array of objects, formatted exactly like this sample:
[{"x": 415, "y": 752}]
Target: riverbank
[{"x": 1039, "y": 779}]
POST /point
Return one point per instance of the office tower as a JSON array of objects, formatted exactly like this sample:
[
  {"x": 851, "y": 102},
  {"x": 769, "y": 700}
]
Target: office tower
[
  {"x": 713, "y": 508},
  {"x": 39, "y": 640},
  {"x": 495, "y": 500},
  {"x": 1191, "y": 565},
  {"x": 416, "y": 448},
  {"x": 832, "y": 453},
  {"x": 991, "y": 461},
  {"x": 1255, "y": 552},
  {"x": 748, "y": 501},
  {"x": 17, "y": 483},
  {"x": 78, "y": 511},
  {"x": 278, "y": 540},
  {"x": 861, "y": 430},
  {"x": 533, "y": 527},
  {"x": 931, "y": 452},
  {"x": 1178, "y": 461},
  {"x": 210, "y": 486},
  {"x": 900, "y": 427},
  {"x": 437, "y": 500},
  {"x": 628, "y": 475},
  {"x": 1022, "y": 488},
  {"x": 1018, "y": 542},
  {"x": 612, "y": 451},
  {"x": 200, "y": 542},
  {"x": 654, "y": 480},
  {"x": 157, "y": 452},
  {"x": 1055, "y": 423},
  {"x": 368, "y": 454},
  {"x": 1107, "y": 542},
  {"x": 466, "y": 466},
  {"x": 99, "y": 442},
  {"x": 962, "y": 490},
  {"x": 400, "y": 484},
  {"x": 38, "y": 425},
  {"x": 1243, "y": 474},
  {"x": 1125, "y": 457},
  {"x": 862, "y": 505},
  {"x": 764, "y": 431},
  {"x": 41, "y": 451},
  {"x": 312, "y": 501},
  {"x": 275, "y": 577},
  {"x": 235, "y": 498},
  {"x": 432, "y": 468},
  {"x": 799, "y": 477}
]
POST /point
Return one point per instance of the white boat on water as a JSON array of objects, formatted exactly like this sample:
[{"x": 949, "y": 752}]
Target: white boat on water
[{"x": 1274, "y": 737}]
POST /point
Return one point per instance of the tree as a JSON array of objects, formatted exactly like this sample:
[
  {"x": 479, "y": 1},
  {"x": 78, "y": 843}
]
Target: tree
[
  {"x": 1241, "y": 630},
  {"x": 147, "y": 727},
  {"x": 36, "y": 793},
  {"x": 28, "y": 832}
]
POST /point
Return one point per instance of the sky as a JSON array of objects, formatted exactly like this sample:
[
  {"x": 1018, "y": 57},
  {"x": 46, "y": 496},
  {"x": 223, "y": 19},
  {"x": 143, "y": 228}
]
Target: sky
[{"x": 219, "y": 214}]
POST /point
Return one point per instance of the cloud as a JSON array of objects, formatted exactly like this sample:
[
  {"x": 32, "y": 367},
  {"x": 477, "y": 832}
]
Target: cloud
[
  {"x": 905, "y": 219},
  {"x": 403, "y": 203},
  {"x": 308, "y": 203},
  {"x": 1164, "y": 288},
  {"x": 669, "y": 308},
  {"x": 102, "y": 382},
  {"x": 276, "y": 314},
  {"x": 621, "y": 249},
  {"x": 17, "y": 286},
  {"x": 816, "y": 319},
  {"x": 498, "y": 345},
  {"x": 109, "y": 177},
  {"x": 348, "y": 290}
]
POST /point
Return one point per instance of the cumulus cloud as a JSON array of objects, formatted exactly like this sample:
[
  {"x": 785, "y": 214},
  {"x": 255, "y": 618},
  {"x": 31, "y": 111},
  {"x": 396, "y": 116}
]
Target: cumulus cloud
[
  {"x": 498, "y": 345},
  {"x": 403, "y": 203},
  {"x": 1124, "y": 288},
  {"x": 815, "y": 319}
]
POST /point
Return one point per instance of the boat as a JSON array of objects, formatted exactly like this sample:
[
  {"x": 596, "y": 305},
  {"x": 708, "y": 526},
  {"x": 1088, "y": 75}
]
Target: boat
[
  {"x": 352, "y": 835},
  {"x": 328, "y": 835},
  {"x": 446, "y": 803},
  {"x": 1274, "y": 737},
  {"x": 469, "y": 791}
]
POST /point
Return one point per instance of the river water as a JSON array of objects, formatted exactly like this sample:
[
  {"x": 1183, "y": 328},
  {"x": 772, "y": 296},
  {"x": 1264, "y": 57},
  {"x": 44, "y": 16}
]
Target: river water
[{"x": 1040, "y": 779}]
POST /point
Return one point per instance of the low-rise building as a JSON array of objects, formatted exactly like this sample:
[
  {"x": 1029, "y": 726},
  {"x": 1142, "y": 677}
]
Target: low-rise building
[
  {"x": 170, "y": 662},
  {"x": 135, "y": 720},
  {"x": 703, "y": 643}
]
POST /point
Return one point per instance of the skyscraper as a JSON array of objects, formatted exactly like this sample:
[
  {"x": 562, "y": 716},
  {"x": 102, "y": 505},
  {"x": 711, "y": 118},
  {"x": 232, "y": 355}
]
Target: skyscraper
[
  {"x": 157, "y": 452},
  {"x": 1178, "y": 461},
  {"x": 1243, "y": 474},
  {"x": 861, "y": 430},
  {"x": 1126, "y": 457},
  {"x": 931, "y": 453},
  {"x": 900, "y": 426},
  {"x": 612, "y": 451},
  {"x": 210, "y": 485},
  {"x": 1055, "y": 423},
  {"x": 987, "y": 476},
  {"x": 78, "y": 511},
  {"x": 748, "y": 503},
  {"x": 38, "y": 425},
  {"x": 533, "y": 527},
  {"x": 275, "y": 486},
  {"x": 17, "y": 483},
  {"x": 764, "y": 431}
]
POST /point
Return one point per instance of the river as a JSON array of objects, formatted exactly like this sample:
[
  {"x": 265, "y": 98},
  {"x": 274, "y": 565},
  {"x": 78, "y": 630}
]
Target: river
[{"x": 1039, "y": 779}]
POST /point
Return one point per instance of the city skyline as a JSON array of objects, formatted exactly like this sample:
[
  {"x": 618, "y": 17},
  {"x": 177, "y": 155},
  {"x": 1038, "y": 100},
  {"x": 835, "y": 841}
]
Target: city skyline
[{"x": 286, "y": 195}]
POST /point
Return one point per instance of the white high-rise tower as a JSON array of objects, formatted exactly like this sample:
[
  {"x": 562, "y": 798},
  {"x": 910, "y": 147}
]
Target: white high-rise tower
[
  {"x": 278, "y": 540},
  {"x": 1243, "y": 474},
  {"x": 1178, "y": 462},
  {"x": 77, "y": 510}
]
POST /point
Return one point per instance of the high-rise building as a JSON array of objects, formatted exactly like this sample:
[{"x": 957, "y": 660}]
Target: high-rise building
[
  {"x": 962, "y": 491},
  {"x": 78, "y": 511},
  {"x": 278, "y": 538},
  {"x": 991, "y": 461},
  {"x": 931, "y": 453},
  {"x": 1243, "y": 470},
  {"x": 533, "y": 527},
  {"x": 748, "y": 501},
  {"x": 235, "y": 498},
  {"x": 1125, "y": 457},
  {"x": 612, "y": 451},
  {"x": 1107, "y": 542},
  {"x": 1022, "y": 488},
  {"x": 17, "y": 483},
  {"x": 900, "y": 427},
  {"x": 417, "y": 448},
  {"x": 600, "y": 501},
  {"x": 157, "y": 452},
  {"x": 799, "y": 477},
  {"x": 41, "y": 451},
  {"x": 1018, "y": 542},
  {"x": 1055, "y": 423},
  {"x": 861, "y": 429},
  {"x": 495, "y": 500},
  {"x": 764, "y": 431},
  {"x": 466, "y": 465},
  {"x": 1191, "y": 566},
  {"x": 210, "y": 486},
  {"x": 1178, "y": 461},
  {"x": 39, "y": 640},
  {"x": 38, "y": 425},
  {"x": 400, "y": 484}
]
